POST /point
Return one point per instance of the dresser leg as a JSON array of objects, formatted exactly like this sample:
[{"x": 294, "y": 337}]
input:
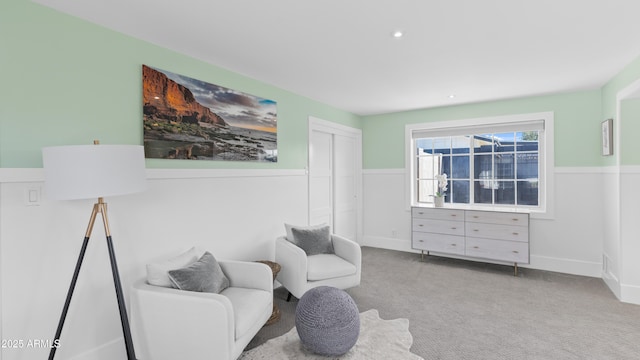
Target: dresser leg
[
  {"x": 515, "y": 269},
  {"x": 422, "y": 255}
]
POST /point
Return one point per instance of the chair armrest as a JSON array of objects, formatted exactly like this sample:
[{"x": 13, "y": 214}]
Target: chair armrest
[
  {"x": 245, "y": 274},
  {"x": 293, "y": 263},
  {"x": 169, "y": 324},
  {"x": 347, "y": 249}
]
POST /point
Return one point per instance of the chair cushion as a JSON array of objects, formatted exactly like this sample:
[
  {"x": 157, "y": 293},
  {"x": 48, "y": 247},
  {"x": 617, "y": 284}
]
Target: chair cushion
[
  {"x": 158, "y": 273},
  {"x": 328, "y": 266},
  {"x": 247, "y": 305},
  {"x": 313, "y": 241},
  {"x": 288, "y": 228},
  {"x": 204, "y": 275}
]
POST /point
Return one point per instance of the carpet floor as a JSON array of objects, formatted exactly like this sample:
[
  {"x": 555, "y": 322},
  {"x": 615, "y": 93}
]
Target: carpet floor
[{"x": 467, "y": 310}]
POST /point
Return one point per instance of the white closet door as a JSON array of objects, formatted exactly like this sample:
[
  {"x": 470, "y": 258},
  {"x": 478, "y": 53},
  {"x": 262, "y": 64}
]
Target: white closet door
[
  {"x": 335, "y": 177},
  {"x": 320, "y": 178},
  {"x": 345, "y": 216}
]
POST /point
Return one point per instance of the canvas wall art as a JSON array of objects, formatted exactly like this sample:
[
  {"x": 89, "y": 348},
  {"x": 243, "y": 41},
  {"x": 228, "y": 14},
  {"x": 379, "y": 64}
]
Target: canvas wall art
[
  {"x": 607, "y": 137},
  {"x": 186, "y": 118}
]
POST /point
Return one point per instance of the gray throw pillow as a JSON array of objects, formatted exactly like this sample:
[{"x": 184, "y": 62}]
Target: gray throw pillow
[
  {"x": 313, "y": 241},
  {"x": 288, "y": 228},
  {"x": 204, "y": 275}
]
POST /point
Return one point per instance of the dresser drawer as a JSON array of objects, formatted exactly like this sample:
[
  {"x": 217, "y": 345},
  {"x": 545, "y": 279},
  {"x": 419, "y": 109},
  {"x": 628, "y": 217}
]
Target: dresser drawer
[
  {"x": 503, "y": 218},
  {"x": 512, "y": 251},
  {"x": 450, "y": 244},
  {"x": 490, "y": 235},
  {"x": 437, "y": 214},
  {"x": 497, "y": 231},
  {"x": 438, "y": 226}
]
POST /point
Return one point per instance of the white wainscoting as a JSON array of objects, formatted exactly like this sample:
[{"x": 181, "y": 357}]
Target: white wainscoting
[
  {"x": 629, "y": 251},
  {"x": 235, "y": 214},
  {"x": 570, "y": 242},
  {"x": 611, "y": 230}
]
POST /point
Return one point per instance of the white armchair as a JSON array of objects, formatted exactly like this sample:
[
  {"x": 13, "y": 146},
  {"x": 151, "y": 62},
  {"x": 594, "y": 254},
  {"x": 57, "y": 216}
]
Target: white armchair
[
  {"x": 170, "y": 324},
  {"x": 300, "y": 272}
]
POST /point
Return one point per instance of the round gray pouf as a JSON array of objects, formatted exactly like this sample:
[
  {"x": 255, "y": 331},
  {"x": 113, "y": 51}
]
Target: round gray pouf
[{"x": 328, "y": 321}]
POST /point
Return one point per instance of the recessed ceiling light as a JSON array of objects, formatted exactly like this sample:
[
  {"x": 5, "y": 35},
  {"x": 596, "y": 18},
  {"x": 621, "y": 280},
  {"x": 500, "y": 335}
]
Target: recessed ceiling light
[
  {"x": 452, "y": 96},
  {"x": 397, "y": 34}
]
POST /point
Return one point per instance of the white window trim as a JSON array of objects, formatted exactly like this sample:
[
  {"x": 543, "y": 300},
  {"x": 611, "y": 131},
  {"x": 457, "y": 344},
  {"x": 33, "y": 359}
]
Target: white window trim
[{"x": 546, "y": 154}]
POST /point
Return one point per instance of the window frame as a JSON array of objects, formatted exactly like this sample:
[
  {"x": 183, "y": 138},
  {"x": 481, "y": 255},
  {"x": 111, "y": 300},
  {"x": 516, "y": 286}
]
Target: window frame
[{"x": 545, "y": 153}]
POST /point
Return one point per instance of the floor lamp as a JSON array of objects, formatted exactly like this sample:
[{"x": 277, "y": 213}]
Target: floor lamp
[{"x": 89, "y": 172}]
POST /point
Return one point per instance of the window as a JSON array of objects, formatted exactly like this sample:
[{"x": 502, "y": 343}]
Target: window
[{"x": 492, "y": 162}]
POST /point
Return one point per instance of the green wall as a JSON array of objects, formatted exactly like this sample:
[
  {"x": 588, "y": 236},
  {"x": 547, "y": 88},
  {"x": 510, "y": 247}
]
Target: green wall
[
  {"x": 577, "y": 118},
  {"x": 629, "y": 148},
  {"x": 67, "y": 81},
  {"x": 630, "y": 113}
]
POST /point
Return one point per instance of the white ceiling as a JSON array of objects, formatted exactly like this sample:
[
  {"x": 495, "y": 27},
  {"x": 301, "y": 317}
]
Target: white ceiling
[{"x": 341, "y": 52}]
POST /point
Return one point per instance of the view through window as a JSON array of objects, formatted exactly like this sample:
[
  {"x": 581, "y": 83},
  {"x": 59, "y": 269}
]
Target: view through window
[
  {"x": 483, "y": 169},
  {"x": 500, "y": 163}
]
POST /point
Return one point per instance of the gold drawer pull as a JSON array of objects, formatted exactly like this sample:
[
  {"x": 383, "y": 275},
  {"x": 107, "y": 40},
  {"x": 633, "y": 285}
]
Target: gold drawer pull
[
  {"x": 475, "y": 247},
  {"x": 515, "y": 219},
  {"x": 475, "y": 216},
  {"x": 453, "y": 228},
  {"x": 454, "y": 215},
  {"x": 454, "y": 245},
  {"x": 515, "y": 252},
  {"x": 515, "y": 233},
  {"x": 420, "y": 225},
  {"x": 476, "y": 230},
  {"x": 420, "y": 240},
  {"x": 420, "y": 213}
]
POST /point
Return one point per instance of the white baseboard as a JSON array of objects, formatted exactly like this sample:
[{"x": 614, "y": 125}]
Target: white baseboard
[
  {"x": 568, "y": 266},
  {"x": 612, "y": 283},
  {"x": 388, "y": 243},
  {"x": 630, "y": 294}
]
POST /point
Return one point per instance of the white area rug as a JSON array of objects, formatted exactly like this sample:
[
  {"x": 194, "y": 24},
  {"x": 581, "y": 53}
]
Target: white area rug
[{"x": 379, "y": 339}]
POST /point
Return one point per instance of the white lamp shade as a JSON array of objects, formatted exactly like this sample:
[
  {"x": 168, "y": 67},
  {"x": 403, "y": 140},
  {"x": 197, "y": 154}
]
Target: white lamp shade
[{"x": 93, "y": 171}]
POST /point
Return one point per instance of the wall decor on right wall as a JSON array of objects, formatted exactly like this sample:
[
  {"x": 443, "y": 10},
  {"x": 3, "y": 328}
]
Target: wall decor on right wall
[{"x": 607, "y": 137}]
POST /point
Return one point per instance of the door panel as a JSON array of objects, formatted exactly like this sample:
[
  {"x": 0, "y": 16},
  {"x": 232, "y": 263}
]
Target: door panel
[
  {"x": 335, "y": 177},
  {"x": 345, "y": 199},
  {"x": 320, "y": 178}
]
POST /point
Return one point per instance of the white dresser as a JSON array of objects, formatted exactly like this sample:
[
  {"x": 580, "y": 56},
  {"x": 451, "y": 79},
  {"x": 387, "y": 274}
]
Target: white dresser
[{"x": 490, "y": 235}]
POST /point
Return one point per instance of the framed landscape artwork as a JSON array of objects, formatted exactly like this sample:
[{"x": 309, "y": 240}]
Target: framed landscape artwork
[
  {"x": 607, "y": 137},
  {"x": 186, "y": 118}
]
